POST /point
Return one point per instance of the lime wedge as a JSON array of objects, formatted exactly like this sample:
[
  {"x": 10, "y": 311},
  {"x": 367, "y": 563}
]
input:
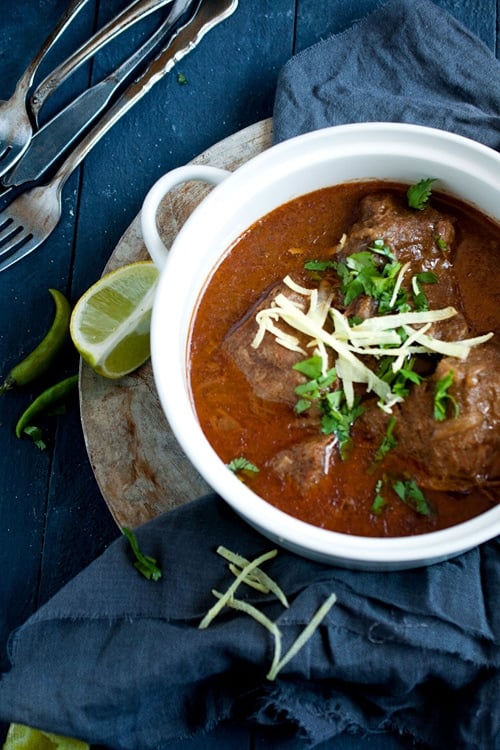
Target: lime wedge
[
  {"x": 110, "y": 322},
  {"x": 21, "y": 737}
]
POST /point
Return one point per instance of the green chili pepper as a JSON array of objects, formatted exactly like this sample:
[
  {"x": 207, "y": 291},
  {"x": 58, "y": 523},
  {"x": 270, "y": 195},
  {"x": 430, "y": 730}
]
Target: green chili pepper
[
  {"x": 45, "y": 401},
  {"x": 38, "y": 361}
]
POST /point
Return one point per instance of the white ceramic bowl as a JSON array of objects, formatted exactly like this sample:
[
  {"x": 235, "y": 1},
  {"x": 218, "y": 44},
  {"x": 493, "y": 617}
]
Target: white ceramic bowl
[{"x": 405, "y": 153}]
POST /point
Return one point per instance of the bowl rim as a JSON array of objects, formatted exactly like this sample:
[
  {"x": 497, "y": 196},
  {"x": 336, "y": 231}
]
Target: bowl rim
[{"x": 306, "y": 539}]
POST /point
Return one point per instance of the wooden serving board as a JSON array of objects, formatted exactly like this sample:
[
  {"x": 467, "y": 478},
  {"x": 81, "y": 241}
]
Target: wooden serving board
[{"x": 138, "y": 464}]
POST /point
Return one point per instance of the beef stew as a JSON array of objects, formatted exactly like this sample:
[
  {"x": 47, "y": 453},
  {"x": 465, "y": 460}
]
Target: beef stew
[{"x": 376, "y": 453}]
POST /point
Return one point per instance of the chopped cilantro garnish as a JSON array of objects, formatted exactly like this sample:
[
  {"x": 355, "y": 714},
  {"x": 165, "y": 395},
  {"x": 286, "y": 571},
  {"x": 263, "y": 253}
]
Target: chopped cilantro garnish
[
  {"x": 426, "y": 277},
  {"x": 364, "y": 273},
  {"x": 320, "y": 265},
  {"x": 374, "y": 272},
  {"x": 311, "y": 368},
  {"x": 386, "y": 304},
  {"x": 388, "y": 442},
  {"x": 405, "y": 374},
  {"x": 442, "y": 398},
  {"x": 419, "y": 298},
  {"x": 145, "y": 564},
  {"x": 355, "y": 272},
  {"x": 399, "y": 381},
  {"x": 35, "y": 433},
  {"x": 379, "y": 500},
  {"x": 338, "y": 418},
  {"x": 381, "y": 248},
  {"x": 441, "y": 243},
  {"x": 412, "y": 496},
  {"x": 418, "y": 195},
  {"x": 241, "y": 464},
  {"x": 318, "y": 384}
]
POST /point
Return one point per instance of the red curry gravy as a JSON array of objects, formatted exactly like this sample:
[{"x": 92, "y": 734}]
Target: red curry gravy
[{"x": 237, "y": 422}]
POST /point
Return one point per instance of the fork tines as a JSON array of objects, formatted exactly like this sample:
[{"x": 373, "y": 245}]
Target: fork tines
[{"x": 15, "y": 242}]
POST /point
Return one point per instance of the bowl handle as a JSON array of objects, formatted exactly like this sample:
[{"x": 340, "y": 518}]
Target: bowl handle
[{"x": 149, "y": 227}]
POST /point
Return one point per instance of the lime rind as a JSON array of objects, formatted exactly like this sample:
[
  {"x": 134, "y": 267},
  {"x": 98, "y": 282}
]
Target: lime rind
[
  {"x": 111, "y": 322},
  {"x": 137, "y": 321},
  {"x": 23, "y": 737}
]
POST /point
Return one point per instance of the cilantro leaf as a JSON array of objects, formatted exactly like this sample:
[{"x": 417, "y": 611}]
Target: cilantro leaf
[
  {"x": 338, "y": 418},
  {"x": 311, "y": 368},
  {"x": 35, "y": 433},
  {"x": 388, "y": 442},
  {"x": 379, "y": 500},
  {"x": 419, "y": 298},
  {"x": 418, "y": 195},
  {"x": 442, "y": 397},
  {"x": 412, "y": 496},
  {"x": 146, "y": 565},
  {"x": 380, "y": 247},
  {"x": 441, "y": 243},
  {"x": 242, "y": 464},
  {"x": 319, "y": 265},
  {"x": 318, "y": 384},
  {"x": 401, "y": 380},
  {"x": 373, "y": 272}
]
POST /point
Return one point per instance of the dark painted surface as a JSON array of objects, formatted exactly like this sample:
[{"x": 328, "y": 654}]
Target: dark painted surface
[{"x": 53, "y": 518}]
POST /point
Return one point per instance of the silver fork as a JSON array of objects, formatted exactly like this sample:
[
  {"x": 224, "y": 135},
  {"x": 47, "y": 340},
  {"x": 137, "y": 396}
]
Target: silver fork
[
  {"x": 32, "y": 216},
  {"x": 15, "y": 123},
  {"x": 19, "y": 114}
]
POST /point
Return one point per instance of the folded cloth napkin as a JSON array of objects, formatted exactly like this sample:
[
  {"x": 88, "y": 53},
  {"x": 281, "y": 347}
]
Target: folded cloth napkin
[
  {"x": 119, "y": 660},
  {"x": 408, "y": 61}
]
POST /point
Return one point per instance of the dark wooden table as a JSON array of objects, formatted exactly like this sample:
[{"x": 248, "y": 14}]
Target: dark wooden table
[{"x": 54, "y": 520}]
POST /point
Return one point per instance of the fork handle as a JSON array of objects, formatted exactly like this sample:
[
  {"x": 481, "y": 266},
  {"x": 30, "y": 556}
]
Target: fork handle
[{"x": 136, "y": 11}]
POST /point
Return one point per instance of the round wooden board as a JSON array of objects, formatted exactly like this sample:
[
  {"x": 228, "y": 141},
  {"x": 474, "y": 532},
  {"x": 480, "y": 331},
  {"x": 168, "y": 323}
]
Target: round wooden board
[{"x": 138, "y": 464}]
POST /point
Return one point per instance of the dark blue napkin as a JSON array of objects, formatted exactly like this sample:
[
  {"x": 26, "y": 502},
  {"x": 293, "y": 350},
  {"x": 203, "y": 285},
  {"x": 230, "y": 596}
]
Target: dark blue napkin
[
  {"x": 408, "y": 61},
  {"x": 119, "y": 660}
]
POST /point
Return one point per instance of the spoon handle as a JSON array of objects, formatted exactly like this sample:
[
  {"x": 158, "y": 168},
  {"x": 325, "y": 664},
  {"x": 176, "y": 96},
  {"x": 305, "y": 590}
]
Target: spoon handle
[
  {"x": 26, "y": 80},
  {"x": 208, "y": 14},
  {"x": 136, "y": 11}
]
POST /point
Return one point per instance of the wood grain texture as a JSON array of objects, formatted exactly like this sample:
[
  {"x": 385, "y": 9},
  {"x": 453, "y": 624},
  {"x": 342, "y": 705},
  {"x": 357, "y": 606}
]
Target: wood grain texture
[
  {"x": 139, "y": 466},
  {"x": 54, "y": 519}
]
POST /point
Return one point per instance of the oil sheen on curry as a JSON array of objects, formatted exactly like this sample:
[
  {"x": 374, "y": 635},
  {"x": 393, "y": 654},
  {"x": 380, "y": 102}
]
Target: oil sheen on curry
[{"x": 345, "y": 359}]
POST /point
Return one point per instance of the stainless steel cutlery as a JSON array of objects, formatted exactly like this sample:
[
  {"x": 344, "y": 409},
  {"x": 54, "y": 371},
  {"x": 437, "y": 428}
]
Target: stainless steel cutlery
[
  {"x": 49, "y": 143},
  {"x": 32, "y": 216}
]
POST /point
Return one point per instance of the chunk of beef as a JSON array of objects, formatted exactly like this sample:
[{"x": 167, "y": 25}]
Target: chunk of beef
[
  {"x": 412, "y": 235},
  {"x": 304, "y": 463},
  {"x": 362, "y": 307},
  {"x": 462, "y": 451},
  {"x": 418, "y": 238},
  {"x": 269, "y": 368}
]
